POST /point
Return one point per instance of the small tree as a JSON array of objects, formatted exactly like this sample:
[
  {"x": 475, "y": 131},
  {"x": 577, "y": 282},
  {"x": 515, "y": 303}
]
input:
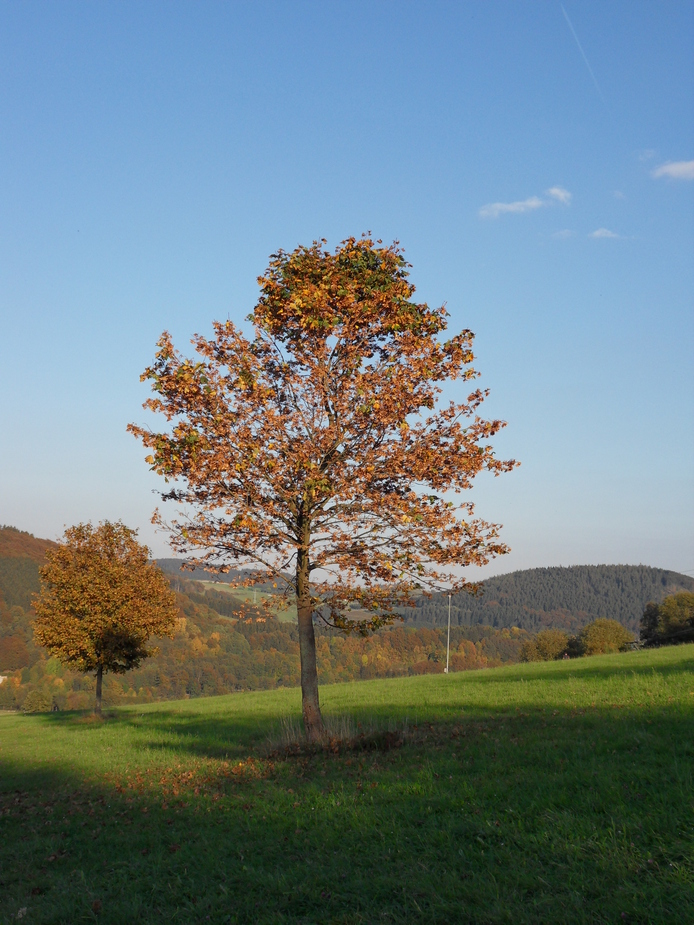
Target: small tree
[
  {"x": 547, "y": 646},
  {"x": 649, "y": 633},
  {"x": 528, "y": 651},
  {"x": 101, "y": 599},
  {"x": 603, "y": 636},
  {"x": 315, "y": 451},
  {"x": 551, "y": 644},
  {"x": 670, "y": 622}
]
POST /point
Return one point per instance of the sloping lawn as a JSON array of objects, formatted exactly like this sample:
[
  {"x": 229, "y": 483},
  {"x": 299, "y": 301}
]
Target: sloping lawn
[{"x": 546, "y": 793}]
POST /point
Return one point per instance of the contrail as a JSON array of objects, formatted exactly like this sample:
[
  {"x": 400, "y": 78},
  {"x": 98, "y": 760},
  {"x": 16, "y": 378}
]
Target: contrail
[{"x": 580, "y": 48}]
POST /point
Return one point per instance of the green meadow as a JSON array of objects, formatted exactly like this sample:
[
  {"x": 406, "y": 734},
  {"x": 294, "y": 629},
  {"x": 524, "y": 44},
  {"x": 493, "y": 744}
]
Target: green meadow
[
  {"x": 542, "y": 793},
  {"x": 251, "y": 596}
]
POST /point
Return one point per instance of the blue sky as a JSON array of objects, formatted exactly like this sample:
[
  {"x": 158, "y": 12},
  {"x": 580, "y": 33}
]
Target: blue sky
[{"x": 534, "y": 160}]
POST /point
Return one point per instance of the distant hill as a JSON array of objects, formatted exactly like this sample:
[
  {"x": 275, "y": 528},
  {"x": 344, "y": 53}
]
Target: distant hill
[
  {"x": 16, "y": 543},
  {"x": 20, "y": 557},
  {"x": 173, "y": 567},
  {"x": 215, "y": 652},
  {"x": 564, "y": 598}
]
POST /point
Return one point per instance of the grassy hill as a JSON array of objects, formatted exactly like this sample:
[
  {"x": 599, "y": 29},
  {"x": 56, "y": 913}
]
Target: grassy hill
[
  {"x": 541, "y": 793},
  {"x": 561, "y": 598}
]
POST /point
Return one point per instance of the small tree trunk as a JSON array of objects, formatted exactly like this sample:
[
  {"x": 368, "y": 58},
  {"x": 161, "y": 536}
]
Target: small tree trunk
[
  {"x": 99, "y": 676},
  {"x": 313, "y": 721}
]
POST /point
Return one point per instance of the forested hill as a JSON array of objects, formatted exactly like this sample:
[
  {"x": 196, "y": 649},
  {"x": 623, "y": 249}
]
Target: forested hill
[
  {"x": 20, "y": 557},
  {"x": 172, "y": 567},
  {"x": 565, "y": 598},
  {"x": 533, "y": 599}
]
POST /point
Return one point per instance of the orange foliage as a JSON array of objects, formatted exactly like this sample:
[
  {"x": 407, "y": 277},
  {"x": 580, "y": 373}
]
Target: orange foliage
[
  {"x": 101, "y": 600},
  {"x": 316, "y": 451},
  {"x": 13, "y": 653},
  {"x": 17, "y": 543}
]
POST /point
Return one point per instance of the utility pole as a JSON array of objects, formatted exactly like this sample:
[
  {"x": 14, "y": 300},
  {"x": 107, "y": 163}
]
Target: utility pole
[{"x": 448, "y": 643}]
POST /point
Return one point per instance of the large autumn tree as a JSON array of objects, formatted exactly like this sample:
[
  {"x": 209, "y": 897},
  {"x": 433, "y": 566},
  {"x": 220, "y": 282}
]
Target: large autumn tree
[
  {"x": 315, "y": 450},
  {"x": 101, "y": 599}
]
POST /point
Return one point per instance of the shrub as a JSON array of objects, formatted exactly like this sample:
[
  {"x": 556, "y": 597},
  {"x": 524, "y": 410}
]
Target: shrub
[
  {"x": 603, "y": 636},
  {"x": 38, "y": 701},
  {"x": 551, "y": 644},
  {"x": 547, "y": 646},
  {"x": 7, "y": 698},
  {"x": 78, "y": 700},
  {"x": 528, "y": 651}
]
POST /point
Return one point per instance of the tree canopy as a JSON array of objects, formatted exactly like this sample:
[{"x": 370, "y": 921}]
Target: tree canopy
[
  {"x": 671, "y": 621},
  {"x": 101, "y": 599},
  {"x": 603, "y": 636},
  {"x": 316, "y": 451}
]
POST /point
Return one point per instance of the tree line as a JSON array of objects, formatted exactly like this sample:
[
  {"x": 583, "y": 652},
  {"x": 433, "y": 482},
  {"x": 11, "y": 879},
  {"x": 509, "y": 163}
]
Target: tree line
[
  {"x": 669, "y": 623},
  {"x": 560, "y": 598}
]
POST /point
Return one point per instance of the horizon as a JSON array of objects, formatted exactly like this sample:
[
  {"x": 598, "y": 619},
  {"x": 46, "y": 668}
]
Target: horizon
[{"x": 491, "y": 575}]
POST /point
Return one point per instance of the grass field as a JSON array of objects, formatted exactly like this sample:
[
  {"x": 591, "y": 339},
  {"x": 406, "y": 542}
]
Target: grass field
[{"x": 542, "y": 793}]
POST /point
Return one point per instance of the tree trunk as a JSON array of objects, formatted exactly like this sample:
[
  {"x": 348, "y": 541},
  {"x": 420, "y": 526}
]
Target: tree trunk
[
  {"x": 99, "y": 676},
  {"x": 313, "y": 721}
]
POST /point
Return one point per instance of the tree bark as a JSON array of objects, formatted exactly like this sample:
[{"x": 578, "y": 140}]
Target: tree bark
[
  {"x": 99, "y": 676},
  {"x": 313, "y": 721}
]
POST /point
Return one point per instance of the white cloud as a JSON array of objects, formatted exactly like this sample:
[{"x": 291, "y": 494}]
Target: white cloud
[
  {"x": 560, "y": 194},
  {"x": 618, "y": 194},
  {"x": 603, "y": 233},
  {"x": 495, "y": 209},
  {"x": 647, "y": 154},
  {"x": 675, "y": 170},
  {"x": 562, "y": 235}
]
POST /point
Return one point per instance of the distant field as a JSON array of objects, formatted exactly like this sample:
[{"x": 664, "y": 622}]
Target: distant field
[
  {"x": 249, "y": 596},
  {"x": 544, "y": 793}
]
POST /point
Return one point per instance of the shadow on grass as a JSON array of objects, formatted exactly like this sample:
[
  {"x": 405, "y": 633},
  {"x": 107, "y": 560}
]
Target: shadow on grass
[{"x": 527, "y": 819}]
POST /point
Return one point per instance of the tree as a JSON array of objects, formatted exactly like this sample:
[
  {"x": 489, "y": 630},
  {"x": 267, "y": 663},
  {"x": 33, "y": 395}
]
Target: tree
[
  {"x": 602, "y": 636},
  {"x": 101, "y": 599},
  {"x": 649, "y": 634},
  {"x": 670, "y": 622},
  {"x": 547, "y": 646},
  {"x": 316, "y": 452}
]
